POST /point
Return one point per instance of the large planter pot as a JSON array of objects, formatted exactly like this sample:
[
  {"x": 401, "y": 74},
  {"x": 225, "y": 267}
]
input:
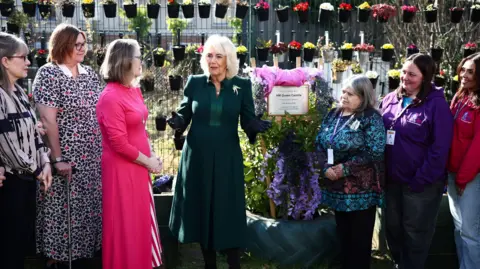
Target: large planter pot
[
  {"x": 88, "y": 10},
  {"x": 293, "y": 54},
  {"x": 393, "y": 83},
  {"x": 347, "y": 55},
  {"x": 456, "y": 16},
  {"x": 30, "y": 9},
  {"x": 160, "y": 123},
  {"x": 45, "y": 10},
  {"x": 468, "y": 52},
  {"x": 454, "y": 85},
  {"x": 241, "y": 12},
  {"x": 475, "y": 15},
  {"x": 302, "y": 16},
  {"x": 68, "y": 11},
  {"x": 262, "y": 54},
  {"x": 407, "y": 16},
  {"x": 175, "y": 83},
  {"x": 328, "y": 56},
  {"x": 6, "y": 9},
  {"x": 173, "y": 11},
  {"x": 110, "y": 10},
  {"x": 153, "y": 11},
  {"x": 158, "y": 60},
  {"x": 188, "y": 11},
  {"x": 179, "y": 142},
  {"x": 439, "y": 81},
  {"x": 382, "y": 20},
  {"x": 41, "y": 61},
  {"x": 436, "y": 54},
  {"x": 374, "y": 82},
  {"x": 363, "y": 15},
  {"x": 241, "y": 59},
  {"x": 339, "y": 76},
  {"x": 204, "y": 11},
  {"x": 163, "y": 205},
  {"x": 325, "y": 16},
  {"x": 290, "y": 242},
  {"x": 220, "y": 11},
  {"x": 343, "y": 15},
  {"x": 179, "y": 52},
  {"x": 262, "y": 14},
  {"x": 387, "y": 54},
  {"x": 308, "y": 54},
  {"x": 147, "y": 85},
  {"x": 363, "y": 57},
  {"x": 411, "y": 51},
  {"x": 130, "y": 10},
  {"x": 282, "y": 14},
  {"x": 431, "y": 16},
  {"x": 13, "y": 28}
]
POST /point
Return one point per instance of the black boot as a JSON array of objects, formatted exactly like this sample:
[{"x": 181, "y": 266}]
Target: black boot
[
  {"x": 210, "y": 258},
  {"x": 233, "y": 258}
]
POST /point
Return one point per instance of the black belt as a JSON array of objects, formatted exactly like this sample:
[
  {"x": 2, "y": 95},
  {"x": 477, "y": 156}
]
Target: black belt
[{"x": 22, "y": 174}]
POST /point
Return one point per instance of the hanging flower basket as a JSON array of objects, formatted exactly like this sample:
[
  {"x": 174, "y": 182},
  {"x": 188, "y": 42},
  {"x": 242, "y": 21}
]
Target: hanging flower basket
[
  {"x": 456, "y": 14},
  {"x": 173, "y": 11},
  {"x": 387, "y": 54},
  {"x": 179, "y": 52},
  {"x": 130, "y": 10},
  {"x": 45, "y": 10},
  {"x": 188, "y": 11},
  {"x": 308, "y": 54},
  {"x": 68, "y": 10},
  {"x": 13, "y": 28},
  {"x": 262, "y": 14},
  {"x": 302, "y": 16},
  {"x": 374, "y": 82},
  {"x": 383, "y": 12},
  {"x": 88, "y": 10},
  {"x": 241, "y": 11},
  {"x": 343, "y": 15},
  {"x": 469, "y": 49},
  {"x": 110, "y": 10},
  {"x": 159, "y": 60},
  {"x": 153, "y": 10},
  {"x": 328, "y": 56},
  {"x": 325, "y": 16},
  {"x": 262, "y": 54},
  {"x": 339, "y": 75},
  {"x": 363, "y": 15},
  {"x": 41, "y": 61},
  {"x": 29, "y": 8},
  {"x": 6, "y": 9},
  {"x": 294, "y": 50},
  {"x": 175, "y": 83},
  {"x": 431, "y": 16},
  {"x": 160, "y": 123},
  {"x": 282, "y": 14},
  {"x": 347, "y": 54},
  {"x": 393, "y": 83},
  {"x": 179, "y": 141},
  {"x": 437, "y": 54},
  {"x": 364, "y": 57},
  {"x": 220, "y": 11},
  {"x": 475, "y": 15},
  {"x": 147, "y": 85},
  {"x": 241, "y": 59},
  {"x": 439, "y": 81},
  {"x": 204, "y": 11},
  {"x": 408, "y": 16},
  {"x": 412, "y": 49}
]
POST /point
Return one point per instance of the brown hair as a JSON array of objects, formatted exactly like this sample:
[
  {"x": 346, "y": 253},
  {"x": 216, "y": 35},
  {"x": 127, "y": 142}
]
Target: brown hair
[
  {"x": 62, "y": 42},
  {"x": 118, "y": 60},
  {"x": 9, "y": 45},
  {"x": 426, "y": 65},
  {"x": 464, "y": 92}
]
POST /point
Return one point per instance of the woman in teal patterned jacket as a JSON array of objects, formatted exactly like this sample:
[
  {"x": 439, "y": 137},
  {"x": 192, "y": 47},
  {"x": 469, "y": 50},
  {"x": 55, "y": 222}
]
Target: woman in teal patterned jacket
[{"x": 352, "y": 141}]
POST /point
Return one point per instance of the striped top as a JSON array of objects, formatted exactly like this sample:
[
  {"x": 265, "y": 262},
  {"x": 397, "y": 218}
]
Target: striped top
[{"x": 21, "y": 145}]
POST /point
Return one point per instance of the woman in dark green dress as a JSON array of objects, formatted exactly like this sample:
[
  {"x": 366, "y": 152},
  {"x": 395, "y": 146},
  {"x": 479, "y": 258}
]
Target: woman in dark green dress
[{"x": 209, "y": 202}]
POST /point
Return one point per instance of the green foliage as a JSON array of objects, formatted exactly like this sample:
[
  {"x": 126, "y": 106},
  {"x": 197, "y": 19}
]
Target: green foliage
[
  {"x": 141, "y": 21},
  {"x": 18, "y": 18}
]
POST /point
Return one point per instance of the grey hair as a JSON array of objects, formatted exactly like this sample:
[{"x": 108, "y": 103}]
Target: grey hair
[
  {"x": 363, "y": 88},
  {"x": 9, "y": 45},
  {"x": 223, "y": 45},
  {"x": 118, "y": 60}
]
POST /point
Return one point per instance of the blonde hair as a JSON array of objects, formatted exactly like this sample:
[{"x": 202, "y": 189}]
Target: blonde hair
[
  {"x": 118, "y": 60},
  {"x": 9, "y": 45},
  {"x": 223, "y": 45}
]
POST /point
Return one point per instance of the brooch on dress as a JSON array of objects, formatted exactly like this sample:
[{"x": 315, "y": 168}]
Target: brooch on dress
[{"x": 235, "y": 89}]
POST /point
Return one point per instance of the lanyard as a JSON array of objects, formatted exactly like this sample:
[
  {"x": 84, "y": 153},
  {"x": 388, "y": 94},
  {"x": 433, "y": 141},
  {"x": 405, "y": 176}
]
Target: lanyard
[
  {"x": 335, "y": 131},
  {"x": 399, "y": 114},
  {"x": 459, "y": 108}
]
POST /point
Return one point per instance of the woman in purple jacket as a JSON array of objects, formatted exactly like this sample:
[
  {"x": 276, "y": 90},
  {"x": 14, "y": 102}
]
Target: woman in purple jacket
[{"x": 419, "y": 128}]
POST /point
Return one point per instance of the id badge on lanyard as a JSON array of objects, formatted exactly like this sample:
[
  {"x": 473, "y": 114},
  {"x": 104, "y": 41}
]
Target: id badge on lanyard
[
  {"x": 391, "y": 132},
  {"x": 330, "y": 157}
]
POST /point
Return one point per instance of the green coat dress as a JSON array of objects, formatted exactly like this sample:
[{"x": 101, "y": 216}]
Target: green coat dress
[{"x": 209, "y": 201}]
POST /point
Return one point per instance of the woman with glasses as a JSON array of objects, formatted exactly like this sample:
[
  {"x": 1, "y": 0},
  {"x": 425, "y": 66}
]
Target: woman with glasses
[
  {"x": 66, "y": 93},
  {"x": 130, "y": 231},
  {"x": 23, "y": 157}
]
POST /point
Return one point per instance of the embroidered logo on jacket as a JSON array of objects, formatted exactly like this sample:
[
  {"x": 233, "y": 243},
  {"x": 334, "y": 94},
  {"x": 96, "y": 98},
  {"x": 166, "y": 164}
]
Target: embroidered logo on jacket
[
  {"x": 416, "y": 119},
  {"x": 467, "y": 118}
]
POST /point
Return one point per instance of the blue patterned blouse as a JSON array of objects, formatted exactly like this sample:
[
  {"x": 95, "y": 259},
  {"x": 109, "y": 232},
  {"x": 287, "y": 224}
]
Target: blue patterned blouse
[{"x": 359, "y": 147}]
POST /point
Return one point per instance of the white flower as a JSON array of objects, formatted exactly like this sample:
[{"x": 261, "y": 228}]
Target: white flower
[
  {"x": 326, "y": 6},
  {"x": 371, "y": 74},
  {"x": 235, "y": 89}
]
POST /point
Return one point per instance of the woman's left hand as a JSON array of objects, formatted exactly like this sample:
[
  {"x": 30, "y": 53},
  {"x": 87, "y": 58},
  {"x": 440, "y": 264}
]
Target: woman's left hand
[
  {"x": 330, "y": 174},
  {"x": 46, "y": 176},
  {"x": 41, "y": 129}
]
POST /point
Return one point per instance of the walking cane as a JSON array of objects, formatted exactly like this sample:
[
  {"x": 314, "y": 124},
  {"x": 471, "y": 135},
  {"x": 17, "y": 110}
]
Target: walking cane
[{"x": 69, "y": 219}]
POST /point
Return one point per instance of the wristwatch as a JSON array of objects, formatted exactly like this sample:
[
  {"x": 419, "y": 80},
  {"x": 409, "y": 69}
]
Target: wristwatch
[{"x": 58, "y": 160}]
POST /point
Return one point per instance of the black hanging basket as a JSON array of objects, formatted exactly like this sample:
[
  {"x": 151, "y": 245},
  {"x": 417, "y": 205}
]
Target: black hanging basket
[
  {"x": 100, "y": 58},
  {"x": 130, "y": 10},
  {"x": 387, "y": 54},
  {"x": 241, "y": 59},
  {"x": 179, "y": 141},
  {"x": 347, "y": 55},
  {"x": 437, "y": 54},
  {"x": 160, "y": 123},
  {"x": 241, "y": 12},
  {"x": 6, "y": 9},
  {"x": 393, "y": 83},
  {"x": 220, "y": 11},
  {"x": 179, "y": 52},
  {"x": 325, "y": 16},
  {"x": 173, "y": 11},
  {"x": 363, "y": 15},
  {"x": 110, "y": 10},
  {"x": 302, "y": 16},
  {"x": 308, "y": 54},
  {"x": 45, "y": 10},
  {"x": 175, "y": 83},
  {"x": 153, "y": 10},
  {"x": 454, "y": 85},
  {"x": 430, "y": 16},
  {"x": 382, "y": 20},
  {"x": 407, "y": 16},
  {"x": 41, "y": 61},
  {"x": 282, "y": 14},
  {"x": 159, "y": 60},
  {"x": 13, "y": 28},
  {"x": 262, "y": 14},
  {"x": 439, "y": 81},
  {"x": 88, "y": 10},
  {"x": 293, "y": 54},
  {"x": 475, "y": 15},
  {"x": 29, "y": 8},
  {"x": 204, "y": 11},
  {"x": 262, "y": 54},
  {"x": 456, "y": 15},
  {"x": 68, "y": 11},
  {"x": 187, "y": 11},
  {"x": 343, "y": 15},
  {"x": 147, "y": 85},
  {"x": 411, "y": 51},
  {"x": 468, "y": 52},
  {"x": 374, "y": 82}
]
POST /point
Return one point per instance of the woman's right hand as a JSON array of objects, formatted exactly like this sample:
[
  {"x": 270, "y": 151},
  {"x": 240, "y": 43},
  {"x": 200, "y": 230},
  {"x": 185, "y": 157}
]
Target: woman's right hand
[
  {"x": 2, "y": 176},
  {"x": 63, "y": 168}
]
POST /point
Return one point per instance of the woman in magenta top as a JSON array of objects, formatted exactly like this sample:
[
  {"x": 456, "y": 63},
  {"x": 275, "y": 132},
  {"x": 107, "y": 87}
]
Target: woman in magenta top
[{"x": 130, "y": 233}]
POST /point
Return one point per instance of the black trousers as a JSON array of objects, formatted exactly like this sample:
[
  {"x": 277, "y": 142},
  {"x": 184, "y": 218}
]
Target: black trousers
[
  {"x": 355, "y": 230},
  {"x": 410, "y": 222},
  {"x": 17, "y": 221}
]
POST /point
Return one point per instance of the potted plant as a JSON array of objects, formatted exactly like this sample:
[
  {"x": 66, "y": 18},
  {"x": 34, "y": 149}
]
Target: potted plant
[
  {"x": 7, "y": 7},
  {"x": 176, "y": 26},
  {"x": 241, "y": 55},
  {"x": 179, "y": 140},
  {"x": 364, "y": 51},
  {"x": 173, "y": 8},
  {"x": 408, "y": 13},
  {"x": 67, "y": 7},
  {"x": 262, "y": 8},
  {"x": 431, "y": 13},
  {"x": 110, "y": 8},
  {"x": 383, "y": 12},
  {"x": 282, "y": 13},
  {"x": 100, "y": 54},
  {"x": 328, "y": 51},
  {"x": 174, "y": 80},
  {"x": 262, "y": 49},
  {"x": 469, "y": 49},
  {"x": 439, "y": 79},
  {"x": 436, "y": 53},
  {"x": 454, "y": 85},
  {"x": 456, "y": 14},
  {"x": 347, "y": 51},
  {"x": 294, "y": 50},
  {"x": 147, "y": 82},
  {"x": 308, "y": 51},
  {"x": 241, "y": 9},
  {"x": 199, "y": 52},
  {"x": 237, "y": 25},
  {"x": 160, "y": 122},
  {"x": 278, "y": 51},
  {"x": 302, "y": 12},
  {"x": 338, "y": 68},
  {"x": 17, "y": 20},
  {"x": 29, "y": 7},
  {"x": 204, "y": 9},
  {"x": 387, "y": 52},
  {"x": 393, "y": 79},
  {"x": 326, "y": 10},
  {"x": 373, "y": 77},
  {"x": 41, "y": 57},
  {"x": 187, "y": 9},
  {"x": 344, "y": 12},
  {"x": 88, "y": 8},
  {"x": 356, "y": 69},
  {"x": 412, "y": 49},
  {"x": 159, "y": 56},
  {"x": 221, "y": 8},
  {"x": 45, "y": 8},
  {"x": 130, "y": 8},
  {"x": 363, "y": 12},
  {"x": 475, "y": 13}
]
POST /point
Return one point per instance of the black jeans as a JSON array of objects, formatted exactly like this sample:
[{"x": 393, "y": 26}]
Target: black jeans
[
  {"x": 355, "y": 230},
  {"x": 410, "y": 220},
  {"x": 210, "y": 258},
  {"x": 17, "y": 221}
]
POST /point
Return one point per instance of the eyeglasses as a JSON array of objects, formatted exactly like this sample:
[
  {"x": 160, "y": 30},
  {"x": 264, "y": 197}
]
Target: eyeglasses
[
  {"x": 138, "y": 57},
  {"x": 80, "y": 46},
  {"x": 24, "y": 57}
]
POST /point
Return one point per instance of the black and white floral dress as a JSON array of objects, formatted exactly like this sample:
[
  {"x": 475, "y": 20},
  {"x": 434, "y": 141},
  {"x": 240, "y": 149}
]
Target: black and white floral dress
[{"x": 80, "y": 142}]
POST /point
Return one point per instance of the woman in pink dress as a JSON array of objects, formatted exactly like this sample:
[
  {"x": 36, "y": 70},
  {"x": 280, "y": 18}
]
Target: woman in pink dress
[{"x": 130, "y": 232}]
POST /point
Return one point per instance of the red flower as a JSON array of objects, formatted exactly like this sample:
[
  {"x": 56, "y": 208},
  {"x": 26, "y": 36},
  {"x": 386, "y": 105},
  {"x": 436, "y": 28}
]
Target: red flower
[
  {"x": 409, "y": 8},
  {"x": 41, "y": 51},
  {"x": 471, "y": 46},
  {"x": 345, "y": 6},
  {"x": 442, "y": 73},
  {"x": 301, "y": 7},
  {"x": 200, "y": 49},
  {"x": 295, "y": 45}
]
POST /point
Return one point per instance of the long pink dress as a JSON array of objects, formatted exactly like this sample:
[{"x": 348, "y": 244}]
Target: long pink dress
[{"x": 130, "y": 232}]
